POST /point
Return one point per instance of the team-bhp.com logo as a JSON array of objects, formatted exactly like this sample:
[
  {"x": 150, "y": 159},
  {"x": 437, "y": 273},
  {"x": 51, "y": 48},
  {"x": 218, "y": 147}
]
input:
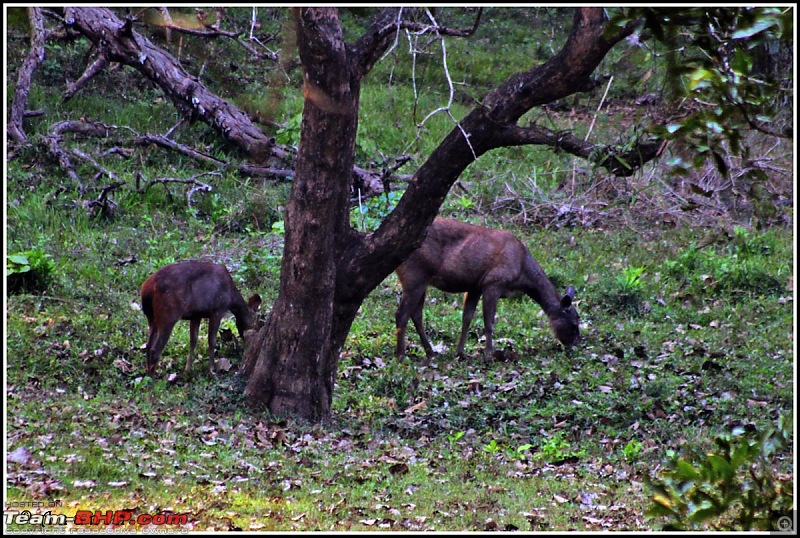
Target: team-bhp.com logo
[{"x": 114, "y": 518}]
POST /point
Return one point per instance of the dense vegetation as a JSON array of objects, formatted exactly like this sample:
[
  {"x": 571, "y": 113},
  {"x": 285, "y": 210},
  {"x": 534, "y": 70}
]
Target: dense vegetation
[{"x": 685, "y": 291}]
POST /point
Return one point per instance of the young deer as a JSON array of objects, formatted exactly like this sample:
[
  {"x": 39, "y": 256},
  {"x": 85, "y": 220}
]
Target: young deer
[
  {"x": 459, "y": 257},
  {"x": 195, "y": 291}
]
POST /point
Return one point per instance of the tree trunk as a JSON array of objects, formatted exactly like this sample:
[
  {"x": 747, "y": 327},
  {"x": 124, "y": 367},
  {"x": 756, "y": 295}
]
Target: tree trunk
[{"x": 292, "y": 365}]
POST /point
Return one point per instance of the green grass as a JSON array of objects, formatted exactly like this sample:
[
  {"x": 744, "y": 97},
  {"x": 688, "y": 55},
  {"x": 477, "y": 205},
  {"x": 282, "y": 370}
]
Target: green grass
[{"x": 659, "y": 375}]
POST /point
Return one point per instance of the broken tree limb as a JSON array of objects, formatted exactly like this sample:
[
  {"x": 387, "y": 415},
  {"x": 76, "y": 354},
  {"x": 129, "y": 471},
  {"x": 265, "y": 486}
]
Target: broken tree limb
[
  {"x": 620, "y": 163},
  {"x": 121, "y": 43},
  {"x": 95, "y": 67},
  {"x": 15, "y": 129},
  {"x": 103, "y": 206},
  {"x": 197, "y": 185}
]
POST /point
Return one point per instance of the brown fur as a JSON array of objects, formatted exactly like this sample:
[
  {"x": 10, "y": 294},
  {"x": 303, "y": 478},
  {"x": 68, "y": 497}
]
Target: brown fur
[
  {"x": 193, "y": 291},
  {"x": 458, "y": 257}
]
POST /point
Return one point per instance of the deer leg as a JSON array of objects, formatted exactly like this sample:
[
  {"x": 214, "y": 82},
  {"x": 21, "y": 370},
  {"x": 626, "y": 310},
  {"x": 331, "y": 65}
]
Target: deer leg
[
  {"x": 470, "y": 304},
  {"x": 155, "y": 344},
  {"x": 213, "y": 329},
  {"x": 151, "y": 340},
  {"x": 416, "y": 317},
  {"x": 194, "y": 332},
  {"x": 490, "y": 298},
  {"x": 403, "y": 314}
]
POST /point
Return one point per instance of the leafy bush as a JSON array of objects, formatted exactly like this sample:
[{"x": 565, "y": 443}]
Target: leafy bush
[
  {"x": 368, "y": 216},
  {"x": 733, "y": 487},
  {"x": 623, "y": 294},
  {"x": 30, "y": 271}
]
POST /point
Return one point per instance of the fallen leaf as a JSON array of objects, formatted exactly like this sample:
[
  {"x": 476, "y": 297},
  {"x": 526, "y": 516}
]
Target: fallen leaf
[
  {"x": 398, "y": 468},
  {"x": 415, "y": 407},
  {"x": 19, "y": 455}
]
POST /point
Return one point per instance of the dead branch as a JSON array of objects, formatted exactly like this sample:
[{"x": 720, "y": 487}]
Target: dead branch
[
  {"x": 212, "y": 33},
  {"x": 53, "y": 143},
  {"x": 164, "y": 142},
  {"x": 103, "y": 206},
  {"x": 617, "y": 162},
  {"x": 95, "y": 67},
  {"x": 372, "y": 45},
  {"x": 123, "y": 262},
  {"x": 197, "y": 185},
  {"x": 15, "y": 129},
  {"x": 97, "y": 166},
  {"x": 121, "y": 43}
]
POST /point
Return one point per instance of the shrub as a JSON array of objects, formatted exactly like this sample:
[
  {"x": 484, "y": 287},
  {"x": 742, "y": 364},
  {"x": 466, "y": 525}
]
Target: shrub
[
  {"x": 30, "y": 271},
  {"x": 732, "y": 487}
]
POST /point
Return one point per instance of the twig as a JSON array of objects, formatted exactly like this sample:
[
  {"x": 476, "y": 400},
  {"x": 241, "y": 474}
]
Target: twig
[
  {"x": 96, "y": 66},
  {"x": 197, "y": 185}
]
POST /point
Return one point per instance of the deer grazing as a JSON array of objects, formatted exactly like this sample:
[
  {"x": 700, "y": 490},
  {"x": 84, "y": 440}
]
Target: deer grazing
[
  {"x": 459, "y": 257},
  {"x": 193, "y": 291}
]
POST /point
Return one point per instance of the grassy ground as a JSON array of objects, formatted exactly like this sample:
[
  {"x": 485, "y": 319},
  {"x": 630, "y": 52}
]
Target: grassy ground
[
  {"x": 687, "y": 334},
  {"x": 538, "y": 439}
]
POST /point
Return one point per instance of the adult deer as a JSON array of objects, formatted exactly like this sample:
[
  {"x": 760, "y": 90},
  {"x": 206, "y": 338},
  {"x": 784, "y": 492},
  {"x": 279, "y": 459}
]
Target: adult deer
[
  {"x": 193, "y": 291},
  {"x": 459, "y": 257}
]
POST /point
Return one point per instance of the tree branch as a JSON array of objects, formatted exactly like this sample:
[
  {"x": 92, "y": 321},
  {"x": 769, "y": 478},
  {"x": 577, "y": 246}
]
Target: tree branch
[
  {"x": 15, "y": 129},
  {"x": 619, "y": 163},
  {"x": 96, "y": 66},
  {"x": 377, "y": 39},
  {"x": 123, "y": 44}
]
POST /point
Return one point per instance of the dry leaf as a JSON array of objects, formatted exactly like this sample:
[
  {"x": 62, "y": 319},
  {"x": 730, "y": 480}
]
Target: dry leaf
[{"x": 415, "y": 407}]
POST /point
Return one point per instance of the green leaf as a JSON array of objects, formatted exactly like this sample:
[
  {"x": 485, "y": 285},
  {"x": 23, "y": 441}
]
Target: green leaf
[
  {"x": 759, "y": 26},
  {"x": 722, "y": 468},
  {"x": 685, "y": 471}
]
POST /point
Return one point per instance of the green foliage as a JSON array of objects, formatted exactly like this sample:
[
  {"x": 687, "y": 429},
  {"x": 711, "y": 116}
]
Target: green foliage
[
  {"x": 368, "y": 216},
  {"x": 632, "y": 450},
  {"x": 279, "y": 227},
  {"x": 289, "y": 133},
  {"x": 31, "y": 271},
  {"x": 556, "y": 449},
  {"x": 631, "y": 279},
  {"x": 712, "y": 60},
  {"x": 731, "y": 487},
  {"x": 623, "y": 293}
]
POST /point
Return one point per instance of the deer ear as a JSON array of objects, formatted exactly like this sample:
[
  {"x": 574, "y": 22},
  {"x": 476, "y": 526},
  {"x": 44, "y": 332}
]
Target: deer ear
[
  {"x": 254, "y": 302},
  {"x": 569, "y": 295}
]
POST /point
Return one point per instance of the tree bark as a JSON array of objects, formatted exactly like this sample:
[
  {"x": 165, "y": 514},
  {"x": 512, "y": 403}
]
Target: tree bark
[
  {"x": 293, "y": 365},
  {"x": 328, "y": 268},
  {"x": 15, "y": 130}
]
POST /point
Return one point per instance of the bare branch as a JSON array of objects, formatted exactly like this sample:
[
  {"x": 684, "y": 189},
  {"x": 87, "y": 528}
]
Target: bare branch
[
  {"x": 196, "y": 184},
  {"x": 164, "y": 142},
  {"x": 378, "y": 38},
  {"x": 36, "y": 56},
  {"x": 103, "y": 206},
  {"x": 95, "y": 67},
  {"x": 619, "y": 163},
  {"x": 121, "y": 43}
]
